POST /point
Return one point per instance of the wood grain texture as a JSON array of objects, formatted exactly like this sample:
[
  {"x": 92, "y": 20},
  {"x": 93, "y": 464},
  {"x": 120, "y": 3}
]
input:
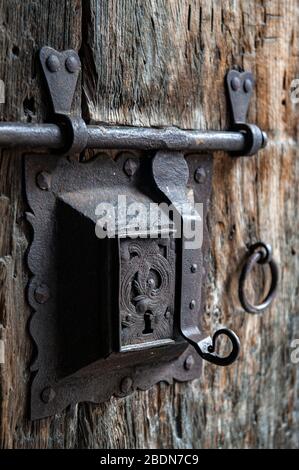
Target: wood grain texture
[{"x": 162, "y": 62}]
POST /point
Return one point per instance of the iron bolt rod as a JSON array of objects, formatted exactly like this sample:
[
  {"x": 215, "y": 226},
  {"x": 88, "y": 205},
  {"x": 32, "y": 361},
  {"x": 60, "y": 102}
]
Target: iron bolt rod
[
  {"x": 145, "y": 138},
  {"x": 118, "y": 137}
]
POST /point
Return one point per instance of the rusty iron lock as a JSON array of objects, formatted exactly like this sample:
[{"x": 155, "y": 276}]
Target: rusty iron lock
[{"x": 115, "y": 314}]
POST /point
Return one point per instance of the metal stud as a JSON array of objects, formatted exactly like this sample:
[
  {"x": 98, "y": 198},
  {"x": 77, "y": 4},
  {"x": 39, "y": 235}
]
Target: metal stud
[
  {"x": 72, "y": 64},
  {"x": 42, "y": 294},
  {"x": 53, "y": 63},
  {"x": 167, "y": 314},
  {"x": 235, "y": 83},
  {"x": 126, "y": 384},
  {"x": 189, "y": 362},
  {"x": 200, "y": 175},
  {"x": 130, "y": 166},
  {"x": 194, "y": 268},
  {"x": 43, "y": 180},
  {"x": 247, "y": 85},
  {"x": 48, "y": 394}
]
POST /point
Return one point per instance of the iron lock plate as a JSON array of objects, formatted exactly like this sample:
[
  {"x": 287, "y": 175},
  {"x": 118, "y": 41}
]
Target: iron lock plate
[{"x": 99, "y": 330}]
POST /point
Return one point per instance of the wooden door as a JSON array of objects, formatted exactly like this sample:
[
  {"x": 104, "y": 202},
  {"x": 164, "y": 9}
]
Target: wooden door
[{"x": 162, "y": 63}]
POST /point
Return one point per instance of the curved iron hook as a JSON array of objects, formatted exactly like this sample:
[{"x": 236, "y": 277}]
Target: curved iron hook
[
  {"x": 260, "y": 253},
  {"x": 206, "y": 348}
]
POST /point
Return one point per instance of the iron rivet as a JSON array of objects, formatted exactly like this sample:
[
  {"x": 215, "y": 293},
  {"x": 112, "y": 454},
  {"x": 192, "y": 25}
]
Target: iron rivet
[
  {"x": 130, "y": 166},
  {"x": 43, "y": 180},
  {"x": 247, "y": 85},
  {"x": 126, "y": 384},
  {"x": 200, "y": 175},
  {"x": 53, "y": 63},
  {"x": 72, "y": 64},
  {"x": 48, "y": 394},
  {"x": 192, "y": 304},
  {"x": 189, "y": 362},
  {"x": 194, "y": 268},
  {"x": 235, "y": 83},
  {"x": 42, "y": 294},
  {"x": 167, "y": 314}
]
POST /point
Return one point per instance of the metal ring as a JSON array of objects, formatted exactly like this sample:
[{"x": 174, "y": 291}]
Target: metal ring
[{"x": 261, "y": 253}]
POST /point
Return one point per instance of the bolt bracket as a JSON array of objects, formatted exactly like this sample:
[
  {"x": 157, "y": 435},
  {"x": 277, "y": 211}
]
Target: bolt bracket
[
  {"x": 240, "y": 87},
  {"x": 61, "y": 71}
]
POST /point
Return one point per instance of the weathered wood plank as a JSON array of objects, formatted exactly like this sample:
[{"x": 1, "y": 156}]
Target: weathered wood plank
[
  {"x": 24, "y": 28},
  {"x": 167, "y": 60},
  {"x": 162, "y": 62}
]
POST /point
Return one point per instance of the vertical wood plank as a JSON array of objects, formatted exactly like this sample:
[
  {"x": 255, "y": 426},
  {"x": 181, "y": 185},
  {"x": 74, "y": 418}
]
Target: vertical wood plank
[{"x": 24, "y": 28}]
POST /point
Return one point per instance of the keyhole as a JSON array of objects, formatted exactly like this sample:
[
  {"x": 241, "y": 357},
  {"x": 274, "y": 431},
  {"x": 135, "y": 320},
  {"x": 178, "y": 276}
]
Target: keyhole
[{"x": 147, "y": 323}]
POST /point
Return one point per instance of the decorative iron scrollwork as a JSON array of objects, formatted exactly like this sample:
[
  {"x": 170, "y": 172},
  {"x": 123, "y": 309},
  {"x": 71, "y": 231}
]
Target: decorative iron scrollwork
[{"x": 147, "y": 290}]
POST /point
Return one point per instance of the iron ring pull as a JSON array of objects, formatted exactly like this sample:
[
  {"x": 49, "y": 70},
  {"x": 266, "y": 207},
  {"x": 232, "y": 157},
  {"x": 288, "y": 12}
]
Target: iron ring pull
[{"x": 260, "y": 253}]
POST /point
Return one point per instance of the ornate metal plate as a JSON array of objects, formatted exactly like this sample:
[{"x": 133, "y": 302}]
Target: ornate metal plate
[{"x": 105, "y": 318}]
